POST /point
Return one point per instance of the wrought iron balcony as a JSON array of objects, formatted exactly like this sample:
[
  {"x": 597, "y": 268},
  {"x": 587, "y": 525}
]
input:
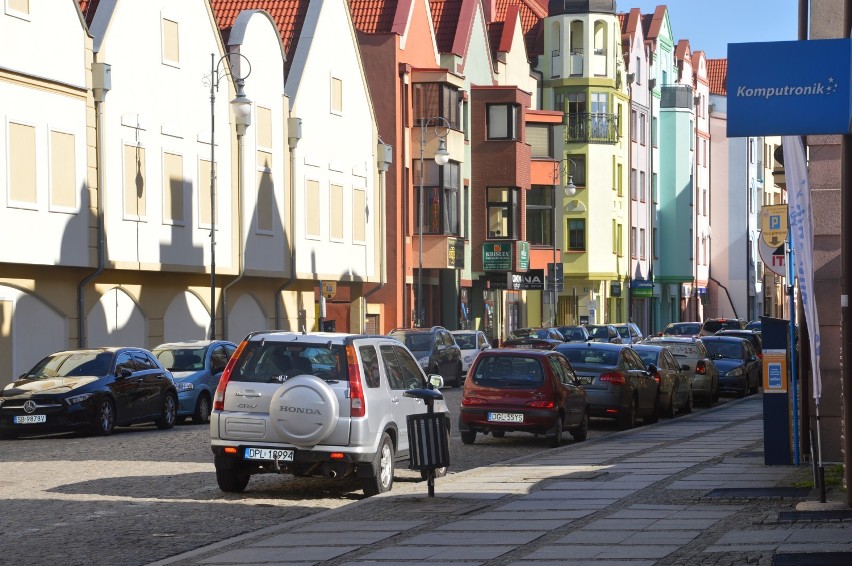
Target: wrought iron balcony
[{"x": 592, "y": 127}]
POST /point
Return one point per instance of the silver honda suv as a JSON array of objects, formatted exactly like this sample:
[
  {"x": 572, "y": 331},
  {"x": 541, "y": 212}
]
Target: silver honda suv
[{"x": 316, "y": 404}]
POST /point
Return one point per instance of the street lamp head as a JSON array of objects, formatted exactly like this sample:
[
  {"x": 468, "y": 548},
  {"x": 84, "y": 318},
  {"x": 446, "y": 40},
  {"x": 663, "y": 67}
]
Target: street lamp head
[
  {"x": 241, "y": 105},
  {"x": 442, "y": 156},
  {"x": 570, "y": 187}
]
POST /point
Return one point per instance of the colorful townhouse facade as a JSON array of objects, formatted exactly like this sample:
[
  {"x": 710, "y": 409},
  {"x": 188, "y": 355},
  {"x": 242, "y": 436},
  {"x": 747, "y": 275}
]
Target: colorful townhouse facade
[
  {"x": 390, "y": 152},
  {"x": 583, "y": 75},
  {"x": 638, "y": 56}
]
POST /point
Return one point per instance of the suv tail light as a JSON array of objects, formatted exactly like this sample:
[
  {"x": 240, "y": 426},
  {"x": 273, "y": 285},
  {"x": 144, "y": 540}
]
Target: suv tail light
[
  {"x": 700, "y": 367},
  {"x": 615, "y": 378},
  {"x": 219, "y": 397},
  {"x": 357, "y": 405}
]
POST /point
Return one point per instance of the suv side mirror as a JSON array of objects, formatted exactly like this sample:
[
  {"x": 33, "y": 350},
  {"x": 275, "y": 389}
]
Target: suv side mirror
[{"x": 436, "y": 381}]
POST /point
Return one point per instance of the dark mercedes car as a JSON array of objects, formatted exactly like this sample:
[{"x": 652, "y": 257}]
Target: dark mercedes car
[{"x": 91, "y": 390}]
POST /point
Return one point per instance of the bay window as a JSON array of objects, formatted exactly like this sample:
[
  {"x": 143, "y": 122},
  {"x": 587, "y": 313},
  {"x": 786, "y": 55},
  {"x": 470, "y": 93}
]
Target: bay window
[{"x": 441, "y": 187}]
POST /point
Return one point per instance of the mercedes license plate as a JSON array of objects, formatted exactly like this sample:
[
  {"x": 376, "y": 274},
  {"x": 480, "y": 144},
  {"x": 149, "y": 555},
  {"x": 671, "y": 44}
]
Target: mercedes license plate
[
  {"x": 506, "y": 417},
  {"x": 269, "y": 454},
  {"x": 30, "y": 419}
]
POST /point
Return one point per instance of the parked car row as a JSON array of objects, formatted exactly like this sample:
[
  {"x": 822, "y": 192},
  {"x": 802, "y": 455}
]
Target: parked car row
[{"x": 95, "y": 390}]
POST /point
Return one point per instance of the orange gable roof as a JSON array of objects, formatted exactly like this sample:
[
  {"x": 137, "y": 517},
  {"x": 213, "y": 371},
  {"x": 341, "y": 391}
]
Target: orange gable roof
[
  {"x": 717, "y": 76},
  {"x": 288, "y": 15},
  {"x": 371, "y": 16},
  {"x": 532, "y": 13},
  {"x": 449, "y": 23},
  {"x": 652, "y": 23}
]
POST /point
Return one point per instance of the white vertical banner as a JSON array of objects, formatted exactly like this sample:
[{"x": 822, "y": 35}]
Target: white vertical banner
[{"x": 802, "y": 232}]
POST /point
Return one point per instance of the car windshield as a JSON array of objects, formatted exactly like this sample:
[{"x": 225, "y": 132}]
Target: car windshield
[
  {"x": 598, "y": 332},
  {"x": 508, "y": 371},
  {"x": 529, "y": 333},
  {"x": 723, "y": 350},
  {"x": 181, "y": 359},
  {"x": 590, "y": 356},
  {"x": 415, "y": 341},
  {"x": 466, "y": 341},
  {"x": 573, "y": 332},
  {"x": 269, "y": 361},
  {"x": 72, "y": 364},
  {"x": 682, "y": 329}
]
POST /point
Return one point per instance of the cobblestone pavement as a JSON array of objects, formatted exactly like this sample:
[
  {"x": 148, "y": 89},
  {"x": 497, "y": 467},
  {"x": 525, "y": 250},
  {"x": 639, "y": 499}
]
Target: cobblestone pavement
[
  {"x": 638, "y": 497},
  {"x": 144, "y": 494}
]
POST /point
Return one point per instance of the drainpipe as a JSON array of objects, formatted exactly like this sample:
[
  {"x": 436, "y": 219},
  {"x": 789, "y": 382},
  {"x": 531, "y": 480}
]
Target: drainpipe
[
  {"x": 101, "y": 84},
  {"x": 243, "y": 122},
  {"x": 384, "y": 161},
  {"x": 294, "y": 127}
]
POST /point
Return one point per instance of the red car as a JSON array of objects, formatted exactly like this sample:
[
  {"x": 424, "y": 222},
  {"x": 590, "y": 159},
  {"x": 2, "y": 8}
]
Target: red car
[{"x": 533, "y": 391}]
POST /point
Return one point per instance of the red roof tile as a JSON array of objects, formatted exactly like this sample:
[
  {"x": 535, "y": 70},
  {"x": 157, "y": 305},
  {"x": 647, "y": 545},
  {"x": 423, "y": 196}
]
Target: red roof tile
[
  {"x": 717, "y": 76},
  {"x": 446, "y": 19},
  {"x": 532, "y": 13},
  {"x": 376, "y": 16},
  {"x": 288, "y": 15},
  {"x": 652, "y": 23}
]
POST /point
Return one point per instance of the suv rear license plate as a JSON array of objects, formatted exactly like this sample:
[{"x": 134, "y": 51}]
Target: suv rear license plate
[
  {"x": 268, "y": 454},
  {"x": 506, "y": 417},
  {"x": 30, "y": 419}
]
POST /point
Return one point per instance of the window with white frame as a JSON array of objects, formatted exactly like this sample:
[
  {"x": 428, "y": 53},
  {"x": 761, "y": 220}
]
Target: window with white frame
[
  {"x": 63, "y": 171},
  {"x": 173, "y": 188},
  {"x": 335, "y": 207},
  {"x": 22, "y": 164},
  {"x": 171, "y": 42},
  {"x": 336, "y": 95},
  {"x": 134, "y": 182},
  {"x": 312, "y": 208}
]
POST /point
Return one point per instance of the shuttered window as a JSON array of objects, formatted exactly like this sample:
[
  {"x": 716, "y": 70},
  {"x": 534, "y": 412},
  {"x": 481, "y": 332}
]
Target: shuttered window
[{"x": 538, "y": 136}]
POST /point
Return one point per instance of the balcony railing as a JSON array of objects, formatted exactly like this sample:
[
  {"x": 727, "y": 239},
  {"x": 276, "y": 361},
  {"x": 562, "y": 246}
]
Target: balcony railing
[
  {"x": 594, "y": 127},
  {"x": 676, "y": 96}
]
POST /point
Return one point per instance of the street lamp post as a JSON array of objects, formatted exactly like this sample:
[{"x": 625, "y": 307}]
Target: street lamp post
[
  {"x": 241, "y": 106},
  {"x": 442, "y": 157},
  {"x": 570, "y": 190}
]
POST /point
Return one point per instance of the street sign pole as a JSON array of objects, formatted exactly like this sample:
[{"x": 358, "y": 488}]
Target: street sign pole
[{"x": 791, "y": 287}]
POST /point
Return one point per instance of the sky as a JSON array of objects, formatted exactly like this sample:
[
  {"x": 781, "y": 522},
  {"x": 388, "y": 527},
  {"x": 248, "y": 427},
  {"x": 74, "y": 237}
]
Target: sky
[{"x": 710, "y": 25}]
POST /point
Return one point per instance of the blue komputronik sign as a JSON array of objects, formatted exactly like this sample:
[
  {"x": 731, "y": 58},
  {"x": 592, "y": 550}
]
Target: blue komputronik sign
[{"x": 789, "y": 87}]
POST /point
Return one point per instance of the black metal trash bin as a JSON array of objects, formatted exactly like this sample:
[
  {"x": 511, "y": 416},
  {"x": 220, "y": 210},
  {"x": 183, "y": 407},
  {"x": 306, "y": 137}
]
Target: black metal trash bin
[{"x": 428, "y": 441}]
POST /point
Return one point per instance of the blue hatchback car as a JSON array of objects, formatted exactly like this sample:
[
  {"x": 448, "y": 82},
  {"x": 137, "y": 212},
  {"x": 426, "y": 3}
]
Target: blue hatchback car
[{"x": 196, "y": 367}]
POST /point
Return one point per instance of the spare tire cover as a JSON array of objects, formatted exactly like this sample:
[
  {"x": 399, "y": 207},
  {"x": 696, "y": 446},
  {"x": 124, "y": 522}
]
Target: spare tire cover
[{"x": 304, "y": 410}]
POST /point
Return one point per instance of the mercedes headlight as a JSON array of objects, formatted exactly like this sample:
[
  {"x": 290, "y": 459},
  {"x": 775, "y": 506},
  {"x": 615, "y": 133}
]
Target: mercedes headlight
[{"x": 74, "y": 399}]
